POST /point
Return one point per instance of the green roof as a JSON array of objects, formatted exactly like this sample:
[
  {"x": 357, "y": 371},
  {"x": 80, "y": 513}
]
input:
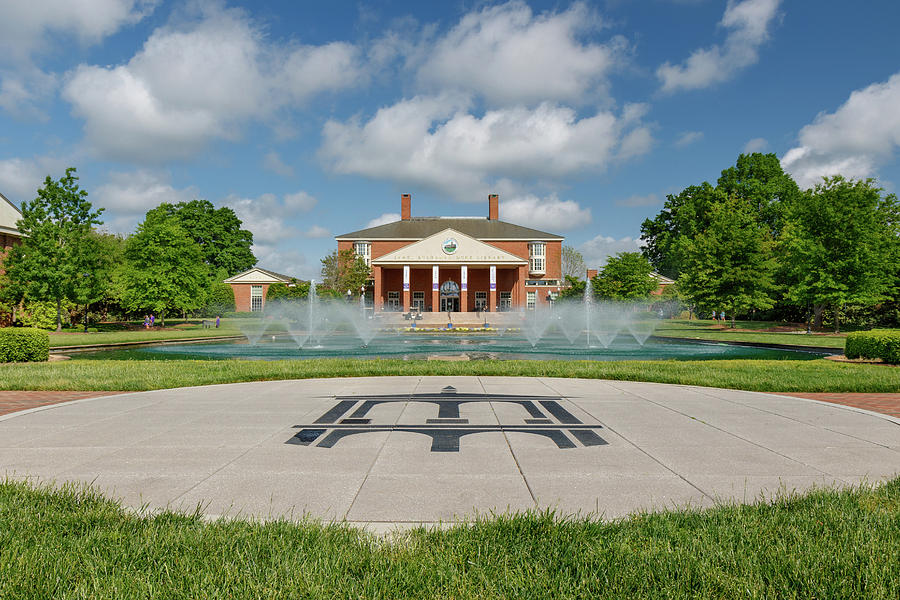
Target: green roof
[{"x": 421, "y": 227}]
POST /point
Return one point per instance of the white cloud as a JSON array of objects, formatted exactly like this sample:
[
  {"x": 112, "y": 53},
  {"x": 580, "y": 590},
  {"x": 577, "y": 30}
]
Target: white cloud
[
  {"x": 128, "y": 196},
  {"x": 756, "y": 145},
  {"x": 550, "y": 213},
  {"x": 27, "y": 27},
  {"x": 383, "y": 220},
  {"x": 287, "y": 262},
  {"x": 687, "y": 138},
  {"x": 639, "y": 201},
  {"x": 509, "y": 55},
  {"x": 316, "y": 232},
  {"x": 272, "y": 162},
  {"x": 434, "y": 142},
  {"x": 598, "y": 249},
  {"x": 853, "y": 141},
  {"x": 20, "y": 178},
  {"x": 23, "y": 91},
  {"x": 200, "y": 81},
  {"x": 748, "y": 24},
  {"x": 266, "y": 216}
]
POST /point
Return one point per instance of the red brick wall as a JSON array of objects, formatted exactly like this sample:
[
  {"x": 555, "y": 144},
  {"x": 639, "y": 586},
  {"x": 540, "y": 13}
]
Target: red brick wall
[{"x": 242, "y": 295}]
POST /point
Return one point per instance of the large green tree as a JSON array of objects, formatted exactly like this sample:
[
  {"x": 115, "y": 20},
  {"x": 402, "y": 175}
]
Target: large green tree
[
  {"x": 730, "y": 264},
  {"x": 165, "y": 268},
  {"x": 756, "y": 180},
  {"x": 625, "y": 276},
  {"x": 839, "y": 245},
  {"x": 217, "y": 231},
  {"x": 54, "y": 260}
]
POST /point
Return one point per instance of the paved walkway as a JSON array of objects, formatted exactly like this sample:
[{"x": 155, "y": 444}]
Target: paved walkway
[{"x": 399, "y": 450}]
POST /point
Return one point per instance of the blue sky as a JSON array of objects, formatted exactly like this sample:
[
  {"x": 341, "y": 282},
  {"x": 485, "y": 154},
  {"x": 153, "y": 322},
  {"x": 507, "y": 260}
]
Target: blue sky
[{"x": 310, "y": 119}]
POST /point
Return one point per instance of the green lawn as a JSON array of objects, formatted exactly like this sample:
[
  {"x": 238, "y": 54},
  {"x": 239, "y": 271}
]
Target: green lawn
[
  {"x": 747, "y": 331},
  {"x": 175, "y": 331},
  {"x": 72, "y": 543},
  {"x": 759, "y": 375}
]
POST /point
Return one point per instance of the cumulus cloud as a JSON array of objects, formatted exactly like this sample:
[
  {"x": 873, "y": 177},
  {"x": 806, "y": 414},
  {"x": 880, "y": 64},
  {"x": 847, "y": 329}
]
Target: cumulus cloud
[
  {"x": 383, "y": 220},
  {"x": 598, "y": 249},
  {"x": 127, "y": 196},
  {"x": 20, "y": 178},
  {"x": 272, "y": 162},
  {"x": 266, "y": 216},
  {"x": 285, "y": 261},
  {"x": 853, "y": 141},
  {"x": 435, "y": 142},
  {"x": 748, "y": 23},
  {"x": 23, "y": 91},
  {"x": 687, "y": 138},
  {"x": 316, "y": 232},
  {"x": 756, "y": 145},
  {"x": 548, "y": 213},
  {"x": 26, "y": 27},
  {"x": 509, "y": 55},
  {"x": 639, "y": 201},
  {"x": 199, "y": 81}
]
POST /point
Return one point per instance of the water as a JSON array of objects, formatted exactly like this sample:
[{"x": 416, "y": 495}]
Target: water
[
  {"x": 474, "y": 346},
  {"x": 323, "y": 328}
]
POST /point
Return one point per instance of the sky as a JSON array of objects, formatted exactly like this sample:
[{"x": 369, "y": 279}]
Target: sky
[{"x": 309, "y": 119}]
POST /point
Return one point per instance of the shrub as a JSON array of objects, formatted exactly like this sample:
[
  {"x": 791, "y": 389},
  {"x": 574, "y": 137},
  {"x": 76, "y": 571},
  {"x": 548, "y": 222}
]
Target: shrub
[
  {"x": 878, "y": 343},
  {"x": 42, "y": 314},
  {"x": 24, "y": 344}
]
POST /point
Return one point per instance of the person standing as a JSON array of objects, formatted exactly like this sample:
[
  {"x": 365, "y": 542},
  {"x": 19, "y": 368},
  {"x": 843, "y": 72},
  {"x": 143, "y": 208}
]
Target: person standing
[
  {"x": 217, "y": 321},
  {"x": 146, "y": 322},
  {"x": 152, "y": 318}
]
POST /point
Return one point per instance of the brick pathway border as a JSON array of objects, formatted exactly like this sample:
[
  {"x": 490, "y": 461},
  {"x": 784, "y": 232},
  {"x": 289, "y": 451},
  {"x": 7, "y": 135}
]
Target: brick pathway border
[{"x": 10, "y": 402}]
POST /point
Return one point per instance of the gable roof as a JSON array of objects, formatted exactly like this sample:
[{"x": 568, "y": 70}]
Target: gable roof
[
  {"x": 479, "y": 228},
  {"x": 468, "y": 251},
  {"x": 258, "y": 275},
  {"x": 9, "y": 214}
]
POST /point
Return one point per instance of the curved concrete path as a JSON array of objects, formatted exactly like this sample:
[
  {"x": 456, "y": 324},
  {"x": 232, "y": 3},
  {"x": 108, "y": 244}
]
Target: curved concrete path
[{"x": 392, "y": 450}]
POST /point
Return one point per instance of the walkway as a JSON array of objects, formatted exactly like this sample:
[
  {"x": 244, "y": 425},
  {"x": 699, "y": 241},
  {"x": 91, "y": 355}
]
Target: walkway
[{"x": 400, "y": 450}]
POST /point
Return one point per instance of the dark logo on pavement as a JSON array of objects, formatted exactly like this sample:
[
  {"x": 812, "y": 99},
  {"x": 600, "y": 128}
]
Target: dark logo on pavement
[{"x": 542, "y": 415}]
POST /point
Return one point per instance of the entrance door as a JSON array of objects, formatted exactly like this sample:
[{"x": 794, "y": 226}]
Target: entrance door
[{"x": 450, "y": 304}]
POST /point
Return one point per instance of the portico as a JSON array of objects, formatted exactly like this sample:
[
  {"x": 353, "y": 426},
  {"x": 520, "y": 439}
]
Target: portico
[{"x": 457, "y": 264}]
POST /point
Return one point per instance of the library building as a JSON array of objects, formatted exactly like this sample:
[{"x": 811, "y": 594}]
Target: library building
[{"x": 457, "y": 264}]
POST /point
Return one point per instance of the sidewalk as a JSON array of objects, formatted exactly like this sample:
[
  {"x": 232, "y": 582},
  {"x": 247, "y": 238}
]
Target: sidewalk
[{"x": 11, "y": 402}]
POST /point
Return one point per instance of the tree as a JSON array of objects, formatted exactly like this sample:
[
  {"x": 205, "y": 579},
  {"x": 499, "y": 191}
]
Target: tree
[
  {"x": 217, "y": 231},
  {"x": 840, "y": 245},
  {"x": 165, "y": 268},
  {"x": 572, "y": 262},
  {"x": 284, "y": 291},
  {"x": 759, "y": 180},
  {"x": 626, "y": 276},
  {"x": 730, "y": 264},
  {"x": 342, "y": 271},
  {"x": 49, "y": 263},
  {"x": 574, "y": 289}
]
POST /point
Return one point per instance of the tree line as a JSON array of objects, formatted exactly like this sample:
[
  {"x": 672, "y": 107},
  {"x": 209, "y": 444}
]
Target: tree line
[
  {"x": 756, "y": 245},
  {"x": 173, "y": 263}
]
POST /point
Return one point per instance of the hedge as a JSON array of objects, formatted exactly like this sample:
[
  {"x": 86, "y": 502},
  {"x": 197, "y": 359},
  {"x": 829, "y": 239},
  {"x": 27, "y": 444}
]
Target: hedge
[
  {"x": 24, "y": 344},
  {"x": 878, "y": 343}
]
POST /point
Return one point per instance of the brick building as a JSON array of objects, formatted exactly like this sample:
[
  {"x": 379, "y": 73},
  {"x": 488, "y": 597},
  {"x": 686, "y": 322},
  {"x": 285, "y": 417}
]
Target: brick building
[
  {"x": 9, "y": 235},
  {"x": 457, "y": 264},
  {"x": 251, "y": 286}
]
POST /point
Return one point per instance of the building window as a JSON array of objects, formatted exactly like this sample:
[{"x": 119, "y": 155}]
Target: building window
[
  {"x": 505, "y": 300},
  {"x": 530, "y": 299},
  {"x": 364, "y": 251},
  {"x": 418, "y": 301},
  {"x": 480, "y": 301},
  {"x": 393, "y": 301},
  {"x": 256, "y": 298},
  {"x": 537, "y": 254},
  {"x": 542, "y": 282}
]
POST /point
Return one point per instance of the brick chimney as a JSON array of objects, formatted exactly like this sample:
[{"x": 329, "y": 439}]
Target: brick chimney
[
  {"x": 591, "y": 273},
  {"x": 493, "y": 207},
  {"x": 405, "y": 207}
]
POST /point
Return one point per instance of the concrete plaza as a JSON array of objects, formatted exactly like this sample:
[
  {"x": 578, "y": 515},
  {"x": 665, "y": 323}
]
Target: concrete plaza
[{"x": 401, "y": 450}]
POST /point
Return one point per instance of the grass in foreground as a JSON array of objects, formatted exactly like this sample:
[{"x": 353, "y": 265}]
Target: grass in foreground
[
  {"x": 755, "y": 375},
  {"x": 746, "y": 331},
  {"x": 72, "y": 543}
]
